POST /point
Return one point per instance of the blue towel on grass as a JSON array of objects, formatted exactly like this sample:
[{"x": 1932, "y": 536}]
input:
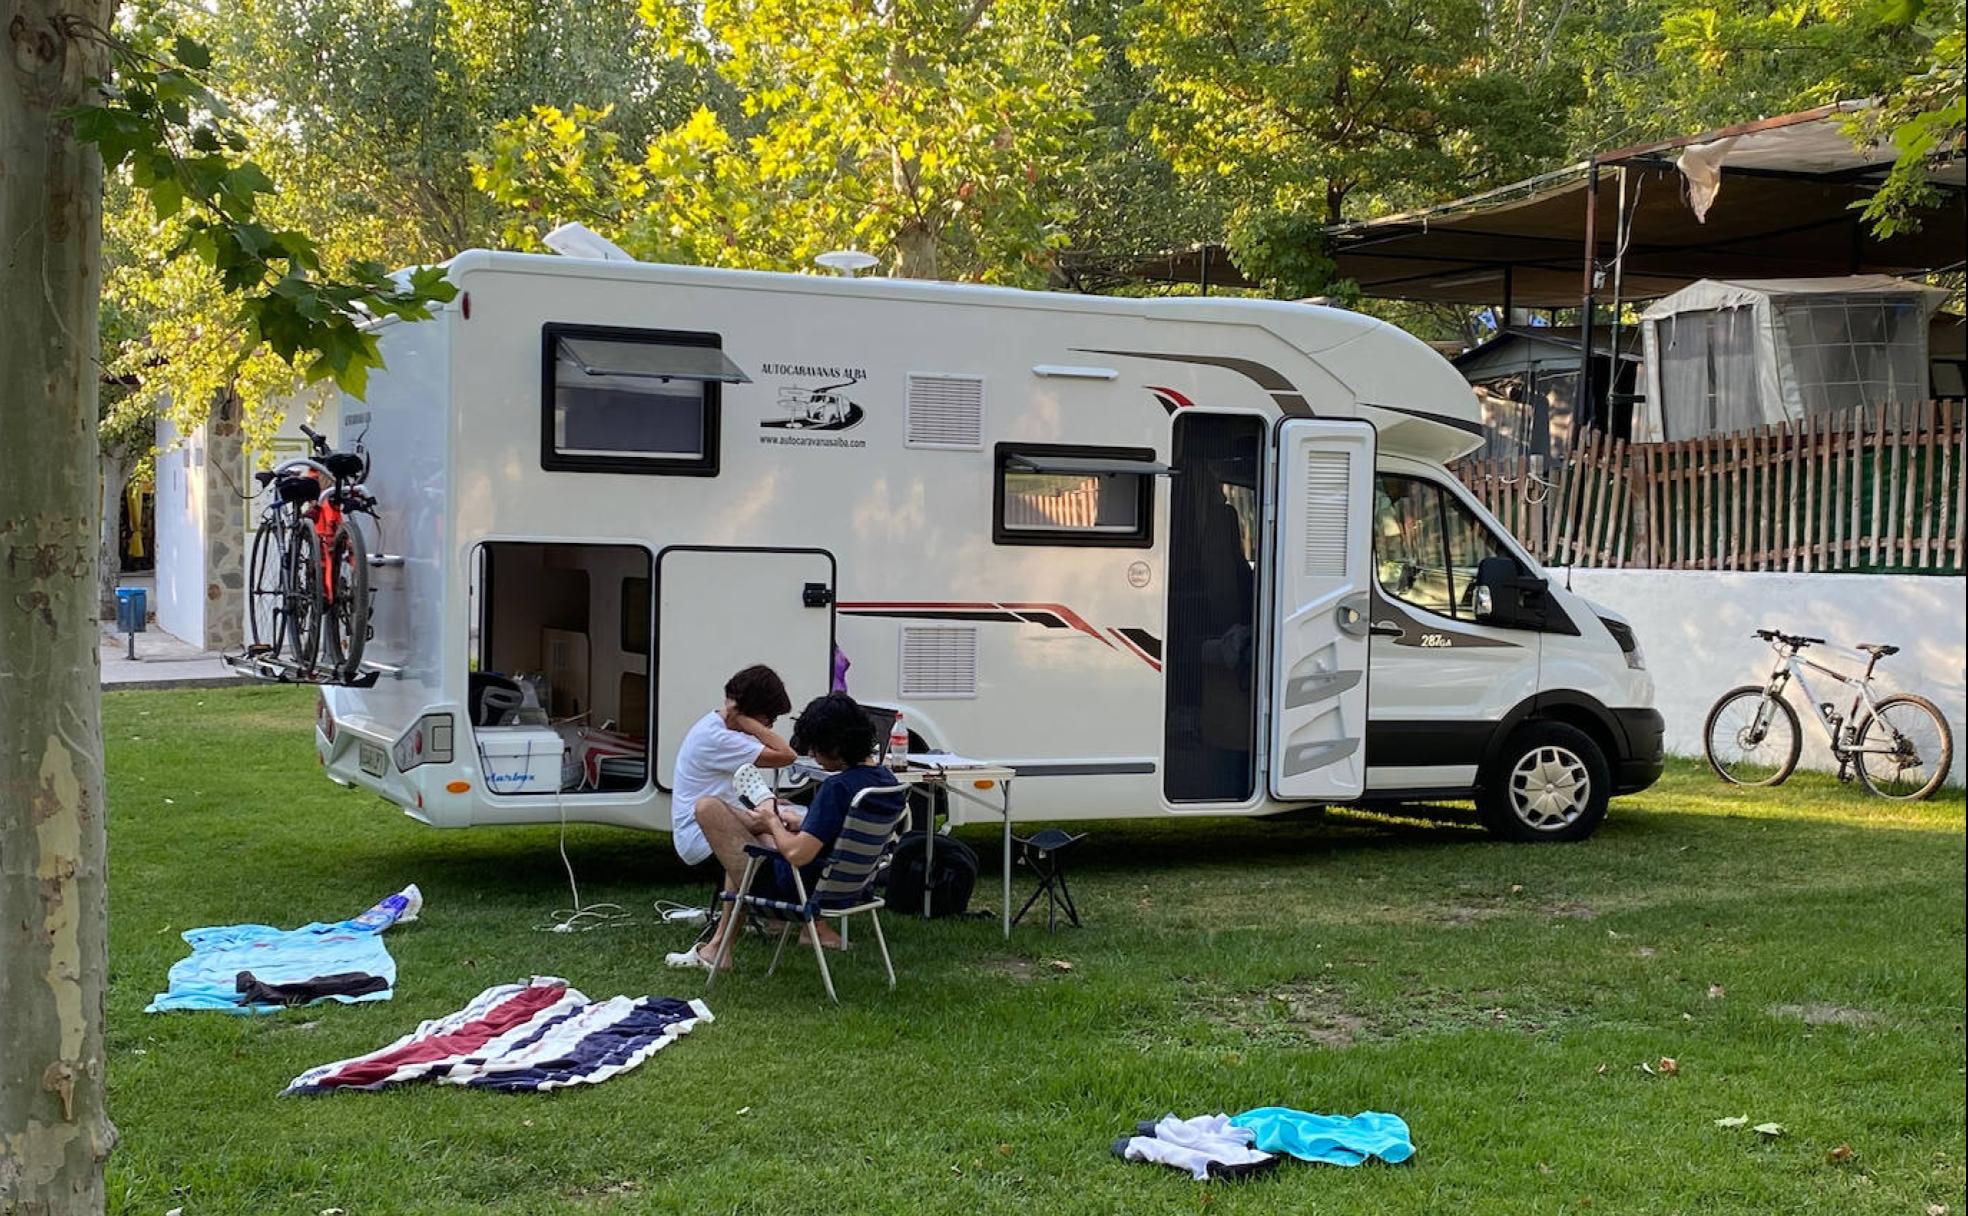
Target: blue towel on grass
[
  {"x": 1330, "y": 1139},
  {"x": 208, "y": 979}
]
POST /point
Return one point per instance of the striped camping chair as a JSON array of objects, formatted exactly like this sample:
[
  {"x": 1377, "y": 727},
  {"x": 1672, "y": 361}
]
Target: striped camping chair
[{"x": 846, "y": 885}]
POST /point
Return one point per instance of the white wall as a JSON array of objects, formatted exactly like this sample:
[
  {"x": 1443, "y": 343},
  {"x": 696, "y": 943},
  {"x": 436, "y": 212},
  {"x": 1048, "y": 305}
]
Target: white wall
[
  {"x": 1695, "y": 627},
  {"x": 179, "y": 600},
  {"x": 184, "y": 582}
]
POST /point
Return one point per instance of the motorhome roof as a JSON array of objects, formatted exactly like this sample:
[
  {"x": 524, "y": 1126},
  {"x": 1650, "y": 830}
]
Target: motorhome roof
[{"x": 1381, "y": 363}]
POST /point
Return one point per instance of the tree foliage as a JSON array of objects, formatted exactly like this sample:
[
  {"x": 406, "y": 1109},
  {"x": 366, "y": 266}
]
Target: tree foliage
[
  {"x": 369, "y": 112},
  {"x": 938, "y": 134},
  {"x": 1923, "y": 116},
  {"x": 1302, "y": 113},
  {"x": 183, "y": 150}
]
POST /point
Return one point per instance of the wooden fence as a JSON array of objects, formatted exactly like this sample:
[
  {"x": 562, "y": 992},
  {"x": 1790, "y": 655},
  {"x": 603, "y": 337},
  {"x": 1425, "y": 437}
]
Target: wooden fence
[{"x": 1875, "y": 489}]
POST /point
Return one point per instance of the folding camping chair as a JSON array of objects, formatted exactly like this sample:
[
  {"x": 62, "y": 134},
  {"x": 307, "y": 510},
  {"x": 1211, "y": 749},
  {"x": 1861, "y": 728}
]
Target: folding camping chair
[{"x": 846, "y": 886}]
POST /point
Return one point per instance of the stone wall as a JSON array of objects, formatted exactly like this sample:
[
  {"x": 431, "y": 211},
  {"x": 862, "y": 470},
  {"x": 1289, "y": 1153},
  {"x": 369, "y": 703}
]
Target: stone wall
[{"x": 226, "y": 477}]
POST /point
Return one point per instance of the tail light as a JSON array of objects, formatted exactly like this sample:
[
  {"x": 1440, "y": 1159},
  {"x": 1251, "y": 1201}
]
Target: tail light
[
  {"x": 324, "y": 719},
  {"x": 428, "y": 741}
]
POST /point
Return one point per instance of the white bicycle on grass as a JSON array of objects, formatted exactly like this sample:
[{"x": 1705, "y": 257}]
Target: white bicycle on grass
[{"x": 1900, "y": 745}]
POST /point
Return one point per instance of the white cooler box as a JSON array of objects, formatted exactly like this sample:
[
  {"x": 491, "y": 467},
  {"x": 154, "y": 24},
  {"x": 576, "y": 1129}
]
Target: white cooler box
[{"x": 520, "y": 759}]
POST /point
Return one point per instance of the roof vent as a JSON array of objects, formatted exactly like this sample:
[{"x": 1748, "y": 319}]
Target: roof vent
[
  {"x": 939, "y": 662},
  {"x": 577, "y": 240},
  {"x": 946, "y": 412}
]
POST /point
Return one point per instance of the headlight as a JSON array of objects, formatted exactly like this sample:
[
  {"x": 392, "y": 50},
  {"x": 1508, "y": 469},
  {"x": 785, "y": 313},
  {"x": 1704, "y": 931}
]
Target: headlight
[{"x": 1629, "y": 645}]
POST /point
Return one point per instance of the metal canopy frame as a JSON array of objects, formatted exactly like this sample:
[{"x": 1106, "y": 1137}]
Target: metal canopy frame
[{"x": 1788, "y": 206}]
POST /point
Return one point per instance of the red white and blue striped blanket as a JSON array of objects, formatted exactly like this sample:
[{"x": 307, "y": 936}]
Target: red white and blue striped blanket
[{"x": 527, "y": 1037}]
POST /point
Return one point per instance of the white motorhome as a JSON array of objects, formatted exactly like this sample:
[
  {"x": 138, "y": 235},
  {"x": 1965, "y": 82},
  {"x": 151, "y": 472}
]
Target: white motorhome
[{"x": 1164, "y": 557}]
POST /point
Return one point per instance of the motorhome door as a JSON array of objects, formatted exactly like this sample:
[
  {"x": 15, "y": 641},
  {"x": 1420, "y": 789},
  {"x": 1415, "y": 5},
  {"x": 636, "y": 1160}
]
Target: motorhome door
[
  {"x": 719, "y": 610},
  {"x": 1324, "y": 568}
]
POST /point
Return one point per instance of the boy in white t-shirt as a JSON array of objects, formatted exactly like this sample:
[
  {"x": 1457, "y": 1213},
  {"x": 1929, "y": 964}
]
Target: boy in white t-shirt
[{"x": 720, "y": 742}]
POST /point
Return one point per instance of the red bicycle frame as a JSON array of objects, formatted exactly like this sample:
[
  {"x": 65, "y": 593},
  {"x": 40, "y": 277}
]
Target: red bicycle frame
[{"x": 326, "y": 517}]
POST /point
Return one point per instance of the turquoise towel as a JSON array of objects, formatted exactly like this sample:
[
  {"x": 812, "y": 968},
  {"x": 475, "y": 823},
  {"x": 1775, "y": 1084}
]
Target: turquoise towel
[
  {"x": 1332, "y": 1139},
  {"x": 206, "y": 978}
]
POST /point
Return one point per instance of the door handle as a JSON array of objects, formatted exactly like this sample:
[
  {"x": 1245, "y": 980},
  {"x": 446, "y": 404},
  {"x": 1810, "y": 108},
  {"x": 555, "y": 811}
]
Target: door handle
[
  {"x": 1351, "y": 616},
  {"x": 816, "y": 595},
  {"x": 1386, "y": 629}
]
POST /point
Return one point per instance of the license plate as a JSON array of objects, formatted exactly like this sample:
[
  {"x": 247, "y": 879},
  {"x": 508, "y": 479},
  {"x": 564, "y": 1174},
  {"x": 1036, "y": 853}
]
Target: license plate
[{"x": 373, "y": 759}]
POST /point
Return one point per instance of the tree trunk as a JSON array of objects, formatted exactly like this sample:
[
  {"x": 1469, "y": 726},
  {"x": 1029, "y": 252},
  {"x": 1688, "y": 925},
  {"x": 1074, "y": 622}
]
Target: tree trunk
[
  {"x": 54, "y": 1133},
  {"x": 116, "y": 462},
  {"x": 915, "y": 251}
]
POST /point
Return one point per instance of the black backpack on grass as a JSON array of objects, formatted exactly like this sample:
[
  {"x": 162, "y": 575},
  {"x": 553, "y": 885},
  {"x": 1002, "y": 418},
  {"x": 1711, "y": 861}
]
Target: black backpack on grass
[{"x": 950, "y": 885}]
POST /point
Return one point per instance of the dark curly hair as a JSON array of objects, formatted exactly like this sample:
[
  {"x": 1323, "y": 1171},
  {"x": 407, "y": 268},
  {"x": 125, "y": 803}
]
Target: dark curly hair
[
  {"x": 835, "y": 726},
  {"x": 758, "y": 692}
]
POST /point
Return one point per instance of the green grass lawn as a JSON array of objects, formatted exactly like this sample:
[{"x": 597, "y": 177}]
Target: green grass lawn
[{"x": 1798, "y": 953}]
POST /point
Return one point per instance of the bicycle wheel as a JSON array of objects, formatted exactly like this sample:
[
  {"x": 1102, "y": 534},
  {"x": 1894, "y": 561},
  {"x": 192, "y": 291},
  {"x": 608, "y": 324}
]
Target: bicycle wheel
[
  {"x": 266, "y": 603},
  {"x": 1751, "y": 737},
  {"x": 346, "y": 625},
  {"x": 303, "y": 594},
  {"x": 1922, "y": 749}
]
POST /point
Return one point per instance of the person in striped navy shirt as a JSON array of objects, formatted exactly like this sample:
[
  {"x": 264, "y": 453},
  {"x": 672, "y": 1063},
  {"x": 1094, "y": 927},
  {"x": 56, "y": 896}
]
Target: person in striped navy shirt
[{"x": 836, "y": 732}]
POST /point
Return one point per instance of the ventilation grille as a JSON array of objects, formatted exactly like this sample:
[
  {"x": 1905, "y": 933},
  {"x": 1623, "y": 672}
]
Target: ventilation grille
[
  {"x": 938, "y": 661},
  {"x": 946, "y": 412},
  {"x": 1326, "y": 500}
]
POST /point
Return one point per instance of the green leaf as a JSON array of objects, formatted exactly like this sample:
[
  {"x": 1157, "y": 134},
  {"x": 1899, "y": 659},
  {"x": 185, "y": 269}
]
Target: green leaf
[
  {"x": 166, "y": 197},
  {"x": 191, "y": 54}
]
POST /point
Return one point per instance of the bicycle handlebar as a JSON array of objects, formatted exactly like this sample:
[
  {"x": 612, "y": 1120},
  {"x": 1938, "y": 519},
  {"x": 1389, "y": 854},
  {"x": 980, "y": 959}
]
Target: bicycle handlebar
[
  {"x": 320, "y": 444},
  {"x": 1789, "y": 639}
]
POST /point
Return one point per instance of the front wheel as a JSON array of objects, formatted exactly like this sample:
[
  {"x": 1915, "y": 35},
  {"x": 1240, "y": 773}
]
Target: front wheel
[
  {"x": 303, "y": 598},
  {"x": 1551, "y": 783},
  {"x": 1917, "y": 749},
  {"x": 266, "y": 589},
  {"x": 1751, "y": 737},
  {"x": 347, "y": 602}
]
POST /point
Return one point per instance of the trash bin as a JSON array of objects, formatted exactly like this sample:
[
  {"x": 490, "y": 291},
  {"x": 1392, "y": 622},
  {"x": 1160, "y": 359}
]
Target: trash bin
[{"x": 131, "y": 609}]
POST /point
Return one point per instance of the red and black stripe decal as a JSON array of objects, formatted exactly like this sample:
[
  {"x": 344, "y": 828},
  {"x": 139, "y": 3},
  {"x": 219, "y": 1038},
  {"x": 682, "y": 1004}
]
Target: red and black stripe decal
[
  {"x": 1138, "y": 642},
  {"x": 1142, "y": 645}
]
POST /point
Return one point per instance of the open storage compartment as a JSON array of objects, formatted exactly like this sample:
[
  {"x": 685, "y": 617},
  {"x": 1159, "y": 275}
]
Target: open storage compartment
[{"x": 559, "y": 691}]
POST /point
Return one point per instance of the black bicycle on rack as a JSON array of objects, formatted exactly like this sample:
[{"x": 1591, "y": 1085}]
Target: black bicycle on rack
[
  {"x": 1900, "y": 746},
  {"x": 308, "y": 574}
]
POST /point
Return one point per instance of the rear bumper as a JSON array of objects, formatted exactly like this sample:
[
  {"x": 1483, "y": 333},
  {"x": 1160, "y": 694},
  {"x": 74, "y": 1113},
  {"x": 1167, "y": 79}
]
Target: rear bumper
[{"x": 1641, "y": 755}]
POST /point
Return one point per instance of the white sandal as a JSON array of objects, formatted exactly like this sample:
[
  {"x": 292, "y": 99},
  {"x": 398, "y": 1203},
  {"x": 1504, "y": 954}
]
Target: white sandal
[{"x": 687, "y": 960}]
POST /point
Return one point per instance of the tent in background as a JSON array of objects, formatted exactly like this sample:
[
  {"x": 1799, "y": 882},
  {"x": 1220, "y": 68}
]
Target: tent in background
[{"x": 1726, "y": 355}]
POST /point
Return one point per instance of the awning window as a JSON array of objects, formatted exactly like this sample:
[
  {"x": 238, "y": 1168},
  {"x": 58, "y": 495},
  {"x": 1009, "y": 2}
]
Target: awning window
[
  {"x": 640, "y": 360},
  {"x": 1084, "y": 465}
]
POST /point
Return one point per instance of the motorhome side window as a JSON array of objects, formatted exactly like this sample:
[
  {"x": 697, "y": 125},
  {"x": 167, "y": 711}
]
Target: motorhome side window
[
  {"x": 631, "y": 401},
  {"x": 1055, "y": 494},
  {"x": 1427, "y": 546}
]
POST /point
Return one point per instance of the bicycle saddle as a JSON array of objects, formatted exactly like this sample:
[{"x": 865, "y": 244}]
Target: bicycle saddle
[
  {"x": 264, "y": 477},
  {"x": 1878, "y": 650},
  {"x": 345, "y": 465}
]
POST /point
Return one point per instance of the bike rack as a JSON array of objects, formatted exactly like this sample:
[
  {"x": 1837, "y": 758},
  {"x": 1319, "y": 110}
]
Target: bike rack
[
  {"x": 286, "y": 671},
  {"x": 379, "y": 561}
]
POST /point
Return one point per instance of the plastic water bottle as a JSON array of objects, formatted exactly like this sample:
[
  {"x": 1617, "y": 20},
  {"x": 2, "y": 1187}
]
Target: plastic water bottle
[{"x": 898, "y": 743}]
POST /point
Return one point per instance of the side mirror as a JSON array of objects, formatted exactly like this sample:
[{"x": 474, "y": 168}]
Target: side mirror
[{"x": 1506, "y": 597}]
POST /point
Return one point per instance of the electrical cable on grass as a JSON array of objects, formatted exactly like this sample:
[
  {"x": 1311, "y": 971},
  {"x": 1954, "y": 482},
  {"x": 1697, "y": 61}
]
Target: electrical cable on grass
[
  {"x": 578, "y": 919},
  {"x": 589, "y": 917}
]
